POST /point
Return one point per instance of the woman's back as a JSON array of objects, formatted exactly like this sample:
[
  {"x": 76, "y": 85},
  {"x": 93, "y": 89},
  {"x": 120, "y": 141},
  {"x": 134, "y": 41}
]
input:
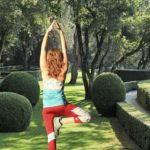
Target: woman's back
[{"x": 53, "y": 84}]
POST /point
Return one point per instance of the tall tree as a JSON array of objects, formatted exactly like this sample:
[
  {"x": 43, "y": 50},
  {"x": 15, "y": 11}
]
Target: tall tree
[
  {"x": 96, "y": 20},
  {"x": 29, "y": 19},
  {"x": 134, "y": 36},
  {"x": 8, "y": 16},
  {"x": 76, "y": 59}
]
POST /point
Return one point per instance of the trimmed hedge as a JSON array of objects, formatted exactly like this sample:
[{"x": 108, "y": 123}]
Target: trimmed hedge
[
  {"x": 22, "y": 83},
  {"x": 143, "y": 94},
  {"x": 136, "y": 124},
  {"x": 36, "y": 74},
  {"x": 15, "y": 112},
  {"x": 130, "y": 86},
  {"x": 107, "y": 90},
  {"x": 133, "y": 75}
]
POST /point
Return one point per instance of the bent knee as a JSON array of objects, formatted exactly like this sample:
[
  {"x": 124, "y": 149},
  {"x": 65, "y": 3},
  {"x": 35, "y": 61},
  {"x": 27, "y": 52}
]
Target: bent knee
[{"x": 86, "y": 118}]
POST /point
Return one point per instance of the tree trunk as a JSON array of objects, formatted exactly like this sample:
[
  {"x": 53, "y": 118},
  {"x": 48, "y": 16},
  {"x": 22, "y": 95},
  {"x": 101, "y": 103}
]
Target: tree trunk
[
  {"x": 83, "y": 62},
  {"x": 26, "y": 60},
  {"x": 25, "y": 63},
  {"x": 86, "y": 59},
  {"x": 2, "y": 38},
  {"x": 74, "y": 69},
  {"x": 99, "y": 49},
  {"x": 104, "y": 56},
  {"x": 27, "y": 48},
  {"x": 146, "y": 60},
  {"x": 141, "y": 60}
]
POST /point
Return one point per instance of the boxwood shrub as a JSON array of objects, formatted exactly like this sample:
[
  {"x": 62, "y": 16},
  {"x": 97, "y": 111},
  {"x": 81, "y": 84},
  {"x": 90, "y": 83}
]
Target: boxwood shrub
[
  {"x": 22, "y": 83},
  {"x": 107, "y": 90},
  {"x": 15, "y": 112},
  {"x": 135, "y": 123},
  {"x": 36, "y": 74}
]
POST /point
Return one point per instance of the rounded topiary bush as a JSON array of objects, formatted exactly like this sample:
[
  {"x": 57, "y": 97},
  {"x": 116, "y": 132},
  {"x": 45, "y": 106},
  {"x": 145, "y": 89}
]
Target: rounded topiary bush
[
  {"x": 22, "y": 83},
  {"x": 15, "y": 112},
  {"x": 107, "y": 90}
]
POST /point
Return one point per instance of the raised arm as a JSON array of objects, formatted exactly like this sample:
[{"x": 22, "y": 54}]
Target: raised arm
[
  {"x": 43, "y": 48},
  {"x": 63, "y": 45}
]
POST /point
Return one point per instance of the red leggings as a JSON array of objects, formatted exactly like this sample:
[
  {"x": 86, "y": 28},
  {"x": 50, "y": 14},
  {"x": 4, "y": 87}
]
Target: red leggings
[{"x": 63, "y": 110}]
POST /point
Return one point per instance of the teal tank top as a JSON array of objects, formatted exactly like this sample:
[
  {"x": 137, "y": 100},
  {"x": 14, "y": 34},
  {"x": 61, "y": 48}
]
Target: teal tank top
[{"x": 53, "y": 93}]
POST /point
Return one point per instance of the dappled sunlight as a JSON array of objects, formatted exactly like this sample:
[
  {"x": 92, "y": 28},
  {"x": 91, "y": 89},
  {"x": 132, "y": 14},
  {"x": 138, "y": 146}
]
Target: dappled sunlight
[
  {"x": 96, "y": 135},
  {"x": 144, "y": 84}
]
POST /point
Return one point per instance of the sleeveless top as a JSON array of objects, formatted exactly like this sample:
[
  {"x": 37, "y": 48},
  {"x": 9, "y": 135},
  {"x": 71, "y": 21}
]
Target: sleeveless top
[{"x": 53, "y": 93}]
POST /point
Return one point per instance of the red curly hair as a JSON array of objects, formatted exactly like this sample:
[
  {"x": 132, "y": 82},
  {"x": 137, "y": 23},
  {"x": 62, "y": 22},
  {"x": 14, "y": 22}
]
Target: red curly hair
[{"x": 54, "y": 59}]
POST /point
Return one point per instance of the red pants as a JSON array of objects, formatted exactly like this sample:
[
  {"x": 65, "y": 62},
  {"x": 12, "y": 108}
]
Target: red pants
[{"x": 63, "y": 110}]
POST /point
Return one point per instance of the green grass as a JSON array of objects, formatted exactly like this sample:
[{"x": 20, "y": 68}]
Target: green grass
[
  {"x": 96, "y": 135},
  {"x": 144, "y": 84}
]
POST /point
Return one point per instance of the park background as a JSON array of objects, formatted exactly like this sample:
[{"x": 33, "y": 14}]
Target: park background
[{"x": 102, "y": 36}]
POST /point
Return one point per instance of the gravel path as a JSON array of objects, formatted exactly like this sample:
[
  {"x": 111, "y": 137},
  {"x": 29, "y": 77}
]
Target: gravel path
[{"x": 131, "y": 99}]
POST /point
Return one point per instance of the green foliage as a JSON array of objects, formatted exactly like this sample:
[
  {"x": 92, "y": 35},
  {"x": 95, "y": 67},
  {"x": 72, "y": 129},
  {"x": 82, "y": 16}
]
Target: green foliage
[
  {"x": 15, "y": 112},
  {"x": 101, "y": 14},
  {"x": 135, "y": 123},
  {"x": 22, "y": 83},
  {"x": 143, "y": 94},
  {"x": 134, "y": 29},
  {"x": 23, "y": 23},
  {"x": 36, "y": 74},
  {"x": 107, "y": 90}
]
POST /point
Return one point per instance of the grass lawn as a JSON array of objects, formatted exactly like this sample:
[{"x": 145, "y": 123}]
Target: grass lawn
[
  {"x": 97, "y": 135},
  {"x": 144, "y": 84}
]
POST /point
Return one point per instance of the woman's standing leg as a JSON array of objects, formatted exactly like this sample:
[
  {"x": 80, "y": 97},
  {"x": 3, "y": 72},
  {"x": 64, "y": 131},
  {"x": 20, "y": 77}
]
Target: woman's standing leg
[{"x": 48, "y": 121}]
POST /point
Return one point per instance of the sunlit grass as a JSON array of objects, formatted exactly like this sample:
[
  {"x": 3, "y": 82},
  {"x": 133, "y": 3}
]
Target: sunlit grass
[
  {"x": 97, "y": 135},
  {"x": 144, "y": 84}
]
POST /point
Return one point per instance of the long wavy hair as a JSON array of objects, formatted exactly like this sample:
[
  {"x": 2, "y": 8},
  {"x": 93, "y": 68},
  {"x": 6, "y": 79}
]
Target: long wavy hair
[{"x": 54, "y": 62}]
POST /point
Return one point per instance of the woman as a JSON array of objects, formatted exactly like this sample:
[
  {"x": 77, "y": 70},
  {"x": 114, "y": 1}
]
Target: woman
[{"x": 54, "y": 65}]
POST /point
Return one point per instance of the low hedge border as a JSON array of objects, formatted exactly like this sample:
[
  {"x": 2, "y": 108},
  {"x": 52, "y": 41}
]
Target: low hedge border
[
  {"x": 131, "y": 85},
  {"x": 133, "y": 74},
  {"x": 143, "y": 94},
  {"x": 136, "y": 124}
]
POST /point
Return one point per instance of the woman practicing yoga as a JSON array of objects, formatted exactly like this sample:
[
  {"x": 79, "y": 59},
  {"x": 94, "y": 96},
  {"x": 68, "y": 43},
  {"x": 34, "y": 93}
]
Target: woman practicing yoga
[{"x": 54, "y": 65}]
